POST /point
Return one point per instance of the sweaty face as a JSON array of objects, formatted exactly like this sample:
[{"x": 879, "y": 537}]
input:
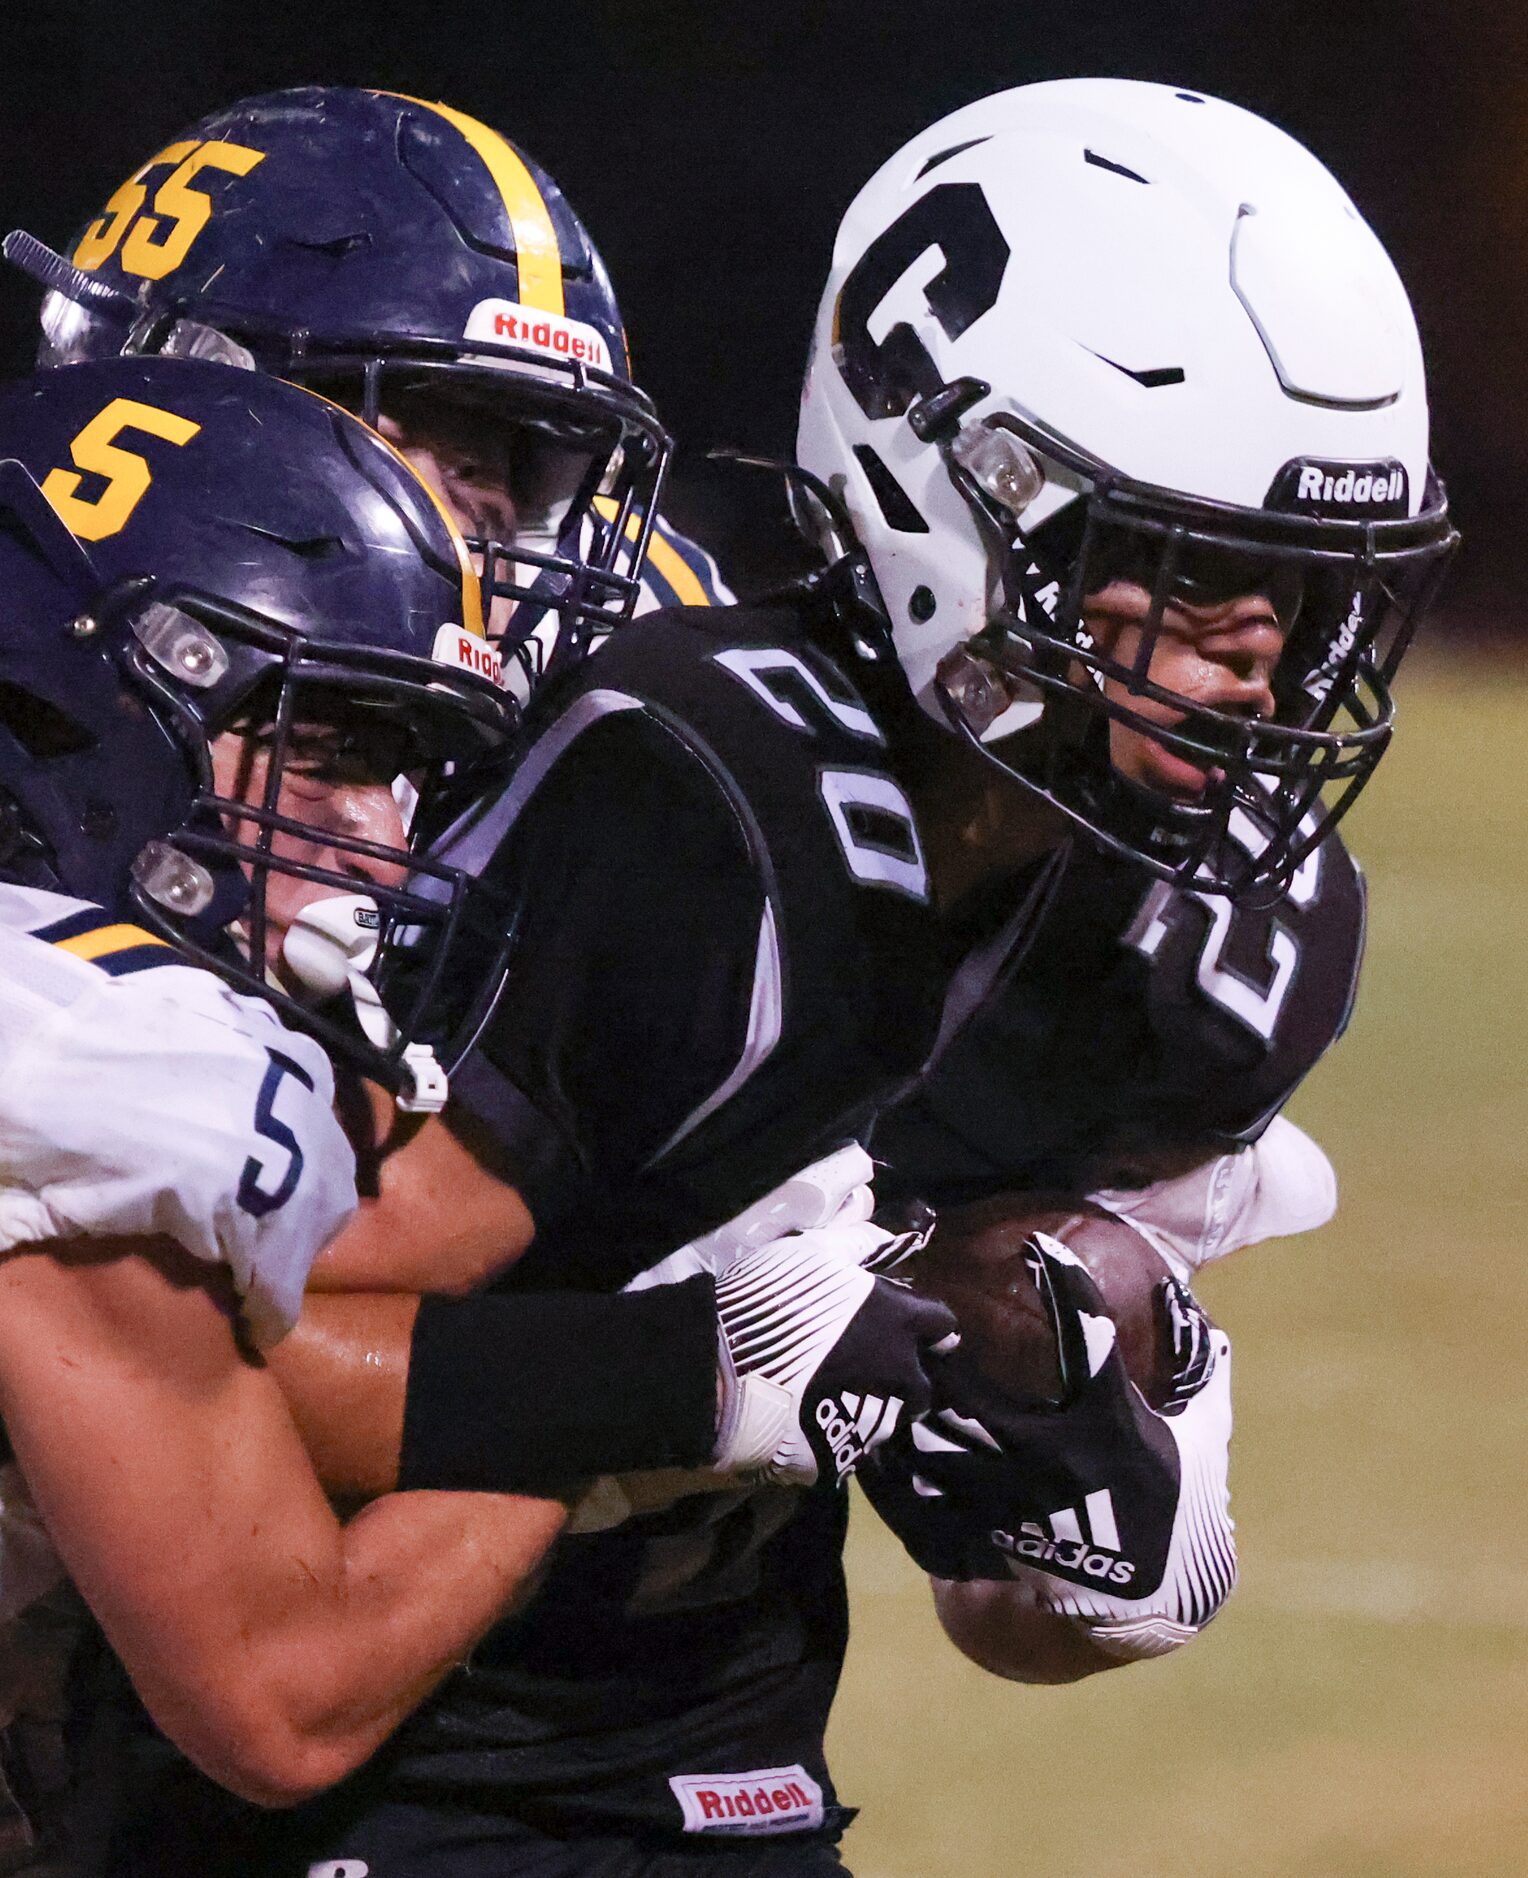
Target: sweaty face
[
  {"x": 338, "y": 783},
  {"x": 1220, "y": 655}
]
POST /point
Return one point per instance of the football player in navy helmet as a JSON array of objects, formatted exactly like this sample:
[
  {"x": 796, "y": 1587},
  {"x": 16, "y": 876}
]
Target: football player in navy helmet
[
  {"x": 210, "y": 674},
  {"x": 214, "y": 675},
  {"x": 413, "y": 264},
  {"x": 762, "y": 893},
  {"x": 263, "y": 703}
]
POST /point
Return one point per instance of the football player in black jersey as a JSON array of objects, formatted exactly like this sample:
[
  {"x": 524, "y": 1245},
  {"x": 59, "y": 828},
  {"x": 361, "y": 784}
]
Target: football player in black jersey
[
  {"x": 505, "y": 381},
  {"x": 1117, "y": 600},
  {"x": 747, "y": 869}
]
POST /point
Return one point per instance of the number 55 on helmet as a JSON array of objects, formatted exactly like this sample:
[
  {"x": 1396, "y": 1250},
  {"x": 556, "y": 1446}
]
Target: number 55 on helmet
[
  {"x": 1124, "y": 402},
  {"x": 400, "y": 257}
]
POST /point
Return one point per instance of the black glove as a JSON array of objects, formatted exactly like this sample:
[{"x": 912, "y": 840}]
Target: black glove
[
  {"x": 1086, "y": 1490},
  {"x": 821, "y": 1361}
]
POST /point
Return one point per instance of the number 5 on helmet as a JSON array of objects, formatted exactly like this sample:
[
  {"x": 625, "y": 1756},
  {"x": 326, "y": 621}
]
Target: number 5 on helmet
[{"x": 203, "y": 589}]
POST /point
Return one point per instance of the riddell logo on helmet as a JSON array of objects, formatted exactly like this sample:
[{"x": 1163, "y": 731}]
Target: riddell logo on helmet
[
  {"x": 1316, "y": 485},
  {"x": 1319, "y": 683},
  {"x": 771, "y": 1799},
  {"x": 552, "y": 333},
  {"x": 468, "y": 652},
  {"x": 1380, "y": 490}
]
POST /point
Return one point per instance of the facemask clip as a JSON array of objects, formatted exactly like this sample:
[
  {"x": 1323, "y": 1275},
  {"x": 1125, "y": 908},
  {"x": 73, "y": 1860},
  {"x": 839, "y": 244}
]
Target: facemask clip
[
  {"x": 172, "y": 879},
  {"x": 427, "y": 1091},
  {"x": 1000, "y": 466}
]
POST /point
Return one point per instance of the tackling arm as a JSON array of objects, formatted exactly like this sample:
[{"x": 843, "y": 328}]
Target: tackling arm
[
  {"x": 686, "y": 1381},
  {"x": 275, "y": 1647},
  {"x": 433, "y": 1218},
  {"x": 435, "y": 1214}
]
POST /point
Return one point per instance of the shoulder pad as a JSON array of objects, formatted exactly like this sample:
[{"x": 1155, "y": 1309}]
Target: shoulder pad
[
  {"x": 679, "y": 573},
  {"x": 115, "y": 946},
  {"x": 162, "y": 1103},
  {"x": 1145, "y": 1017}
]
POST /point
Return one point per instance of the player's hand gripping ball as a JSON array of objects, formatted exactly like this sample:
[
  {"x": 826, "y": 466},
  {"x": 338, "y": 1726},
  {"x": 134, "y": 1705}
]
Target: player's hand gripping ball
[
  {"x": 1068, "y": 1402},
  {"x": 977, "y": 1262}
]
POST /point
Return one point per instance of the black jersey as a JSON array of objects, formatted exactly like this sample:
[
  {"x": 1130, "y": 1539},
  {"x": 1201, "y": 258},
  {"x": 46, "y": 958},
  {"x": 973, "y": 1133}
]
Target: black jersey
[
  {"x": 1142, "y": 1018},
  {"x": 726, "y": 955},
  {"x": 725, "y": 961}
]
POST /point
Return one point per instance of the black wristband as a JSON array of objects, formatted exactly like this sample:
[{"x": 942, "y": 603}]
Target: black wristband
[{"x": 536, "y": 1392}]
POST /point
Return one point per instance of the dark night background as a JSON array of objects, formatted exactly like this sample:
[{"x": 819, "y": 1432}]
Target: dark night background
[{"x": 712, "y": 148}]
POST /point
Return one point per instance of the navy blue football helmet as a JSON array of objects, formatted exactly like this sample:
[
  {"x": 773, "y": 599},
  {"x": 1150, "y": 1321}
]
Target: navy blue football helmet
[
  {"x": 169, "y": 579},
  {"x": 379, "y": 248}
]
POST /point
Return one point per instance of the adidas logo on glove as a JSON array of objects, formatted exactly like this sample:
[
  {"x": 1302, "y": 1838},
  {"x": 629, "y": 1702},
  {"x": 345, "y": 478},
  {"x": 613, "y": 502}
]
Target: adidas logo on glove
[
  {"x": 854, "y": 1424},
  {"x": 1067, "y": 1547}
]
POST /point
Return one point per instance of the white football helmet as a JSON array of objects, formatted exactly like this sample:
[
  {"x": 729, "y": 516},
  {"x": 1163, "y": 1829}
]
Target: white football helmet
[{"x": 1097, "y": 329}]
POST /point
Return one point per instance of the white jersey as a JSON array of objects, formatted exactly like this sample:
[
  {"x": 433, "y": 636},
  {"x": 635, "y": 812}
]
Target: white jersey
[{"x": 140, "y": 1096}]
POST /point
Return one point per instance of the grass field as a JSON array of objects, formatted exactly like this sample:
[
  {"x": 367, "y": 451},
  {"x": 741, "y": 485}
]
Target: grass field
[{"x": 1361, "y": 1708}]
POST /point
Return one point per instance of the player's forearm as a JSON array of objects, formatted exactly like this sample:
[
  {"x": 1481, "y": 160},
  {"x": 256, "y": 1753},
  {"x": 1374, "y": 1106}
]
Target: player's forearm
[
  {"x": 417, "y": 1579},
  {"x": 274, "y": 1647},
  {"x": 528, "y": 1393},
  {"x": 1000, "y": 1631},
  {"x": 432, "y": 1216},
  {"x": 315, "y": 1666},
  {"x": 344, "y": 1371}
]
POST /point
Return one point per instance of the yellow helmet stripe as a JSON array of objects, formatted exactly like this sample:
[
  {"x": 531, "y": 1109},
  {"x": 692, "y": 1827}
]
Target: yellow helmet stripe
[
  {"x": 676, "y": 571},
  {"x": 108, "y": 939},
  {"x": 472, "y": 586},
  {"x": 538, "y": 258},
  {"x": 665, "y": 559}
]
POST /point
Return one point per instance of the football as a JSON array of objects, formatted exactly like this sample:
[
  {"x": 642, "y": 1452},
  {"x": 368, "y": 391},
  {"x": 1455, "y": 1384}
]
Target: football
[{"x": 974, "y": 1262}]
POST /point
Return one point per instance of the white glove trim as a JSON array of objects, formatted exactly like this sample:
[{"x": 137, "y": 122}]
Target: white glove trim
[{"x": 1201, "y": 1559}]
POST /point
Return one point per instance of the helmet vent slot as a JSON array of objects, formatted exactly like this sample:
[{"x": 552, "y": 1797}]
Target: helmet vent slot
[
  {"x": 40, "y": 727},
  {"x": 1115, "y": 169},
  {"x": 1154, "y": 377},
  {"x": 305, "y": 547},
  {"x": 336, "y": 247},
  {"x": 944, "y": 155},
  {"x": 896, "y": 505}
]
